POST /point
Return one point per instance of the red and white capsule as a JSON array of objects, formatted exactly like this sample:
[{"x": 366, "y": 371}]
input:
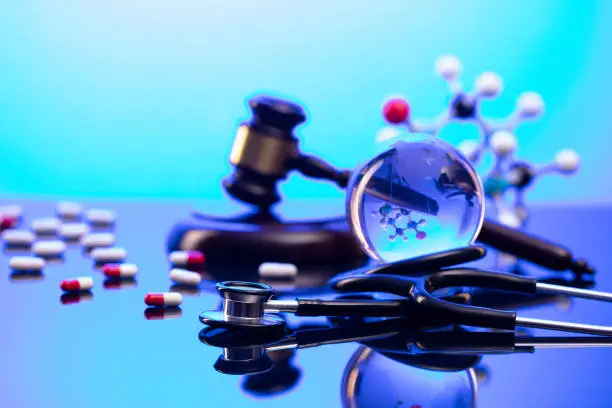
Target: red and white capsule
[
  {"x": 120, "y": 270},
  {"x": 8, "y": 221},
  {"x": 77, "y": 284},
  {"x": 187, "y": 258},
  {"x": 169, "y": 299}
]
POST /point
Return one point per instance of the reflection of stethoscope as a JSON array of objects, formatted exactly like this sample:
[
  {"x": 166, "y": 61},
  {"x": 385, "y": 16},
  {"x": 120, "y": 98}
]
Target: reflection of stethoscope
[{"x": 250, "y": 305}]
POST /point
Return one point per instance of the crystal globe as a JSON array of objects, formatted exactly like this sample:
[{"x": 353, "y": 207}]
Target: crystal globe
[{"x": 420, "y": 195}]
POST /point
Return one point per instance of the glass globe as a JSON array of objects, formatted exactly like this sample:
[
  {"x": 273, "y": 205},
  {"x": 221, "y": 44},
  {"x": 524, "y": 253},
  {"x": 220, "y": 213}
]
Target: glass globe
[{"x": 420, "y": 195}]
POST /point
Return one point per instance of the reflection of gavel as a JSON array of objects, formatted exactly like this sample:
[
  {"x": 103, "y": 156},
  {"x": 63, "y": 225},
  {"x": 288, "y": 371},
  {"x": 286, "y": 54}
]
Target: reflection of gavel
[{"x": 265, "y": 150}]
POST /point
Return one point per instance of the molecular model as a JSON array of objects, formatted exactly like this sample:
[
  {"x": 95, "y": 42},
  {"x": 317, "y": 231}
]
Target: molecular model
[
  {"x": 390, "y": 218},
  {"x": 506, "y": 183}
]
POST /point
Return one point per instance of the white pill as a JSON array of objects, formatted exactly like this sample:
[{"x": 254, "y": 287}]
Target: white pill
[
  {"x": 26, "y": 263},
  {"x": 18, "y": 237},
  {"x": 107, "y": 255},
  {"x": 97, "y": 216},
  {"x": 100, "y": 239},
  {"x": 68, "y": 210},
  {"x": 277, "y": 270},
  {"x": 73, "y": 231},
  {"x": 11, "y": 210},
  {"x": 45, "y": 226},
  {"x": 49, "y": 248},
  {"x": 184, "y": 277}
]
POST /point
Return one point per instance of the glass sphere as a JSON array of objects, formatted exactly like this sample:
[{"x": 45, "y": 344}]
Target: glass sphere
[{"x": 417, "y": 197}]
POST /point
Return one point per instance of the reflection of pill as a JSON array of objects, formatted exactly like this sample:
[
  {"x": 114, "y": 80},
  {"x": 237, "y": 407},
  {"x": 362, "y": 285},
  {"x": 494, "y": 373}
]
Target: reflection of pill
[
  {"x": 277, "y": 270},
  {"x": 157, "y": 313},
  {"x": 68, "y": 210},
  {"x": 11, "y": 210},
  {"x": 114, "y": 254},
  {"x": 170, "y": 299},
  {"x": 100, "y": 239},
  {"x": 49, "y": 248},
  {"x": 73, "y": 231},
  {"x": 187, "y": 258},
  {"x": 26, "y": 263},
  {"x": 45, "y": 226},
  {"x": 70, "y": 298},
  {"x": 185, "y": 277},
  {"x": 77, "y": 284},
  {"x": 8, "y": 221},
  {"x": 97, "y": 216},
  {"x": 18, "y": 237},
  {"x": 120, "y": 270}
]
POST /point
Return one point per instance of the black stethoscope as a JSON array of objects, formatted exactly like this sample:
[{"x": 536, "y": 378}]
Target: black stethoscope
[{"x": 250, "y": 305}]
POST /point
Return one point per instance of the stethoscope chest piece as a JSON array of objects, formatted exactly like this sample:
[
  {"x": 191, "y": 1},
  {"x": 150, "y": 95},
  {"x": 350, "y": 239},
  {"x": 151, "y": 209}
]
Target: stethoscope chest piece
[{"x": 243, "y": 306}]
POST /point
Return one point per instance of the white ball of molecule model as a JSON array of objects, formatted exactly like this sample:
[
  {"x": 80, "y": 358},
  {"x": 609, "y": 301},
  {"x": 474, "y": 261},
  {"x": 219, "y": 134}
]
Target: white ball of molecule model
[
  {"x": 470, "y": 149},
  {"x": 530, "y": 104},
  {"x": 448, "y": 66},
  {"x": 489, "y": 84},
  {"x": 567, "y": 161},
  {"x": 387, "y": 133},
  {"x": 503, "y": 143}
]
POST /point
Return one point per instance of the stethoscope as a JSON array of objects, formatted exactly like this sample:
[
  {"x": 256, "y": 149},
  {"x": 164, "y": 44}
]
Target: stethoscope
[{"x": 251, "y": 305}]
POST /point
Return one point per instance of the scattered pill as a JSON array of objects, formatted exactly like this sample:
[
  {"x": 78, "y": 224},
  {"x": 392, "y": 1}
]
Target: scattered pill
[
  {"x": 187, "y": 258},
  {"x": 98, "y": 239},
  {"x": 277, "y": 270},
  {"x": 100, "y": 217},
  {"x": 120, "y": 270},
  {"x": 108, "y": 255},
  {"x": 77, "y": 284},
  {"x": 74, "y": 231},
  {"x": 68, "y": 210},
  {"x": 169, "y": 299},
  {"x": 14, "y": 237},
  {"x": 45, "y": 226},
  {"x": 156, "y": 313},
  {"x": 50, "y": 249},
  {"x": 184, "y": 277},
  {"x": 26, "y": 263},
  {"x": 71, "y": 298},
  {"x": 11, "y": 210}
]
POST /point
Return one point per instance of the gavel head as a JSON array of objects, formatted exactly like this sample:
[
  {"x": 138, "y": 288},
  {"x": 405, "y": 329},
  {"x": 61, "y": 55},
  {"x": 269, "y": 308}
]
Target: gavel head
[{"x": 262, "y": 151}]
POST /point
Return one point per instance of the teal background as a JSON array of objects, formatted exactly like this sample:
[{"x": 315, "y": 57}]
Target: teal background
[{"x": 142, "y": 98}]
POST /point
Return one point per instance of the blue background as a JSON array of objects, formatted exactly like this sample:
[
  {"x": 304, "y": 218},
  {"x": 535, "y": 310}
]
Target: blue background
[{"x": 142, "y": 98}]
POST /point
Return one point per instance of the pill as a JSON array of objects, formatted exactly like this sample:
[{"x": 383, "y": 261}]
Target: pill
[
  {"x": 26, "y": 263},
  {"x": 277, "y": 270},
  {"x": 73, "y": 231},
  {"x": 170, "y": 299},
  {"x": 120, "y": 270},
  {"x": 71, "y": 298},
  {"x": 68, "y": 210},
  {"x": 184, "y": 277},
  {"x": 77, "y": 284},
  {"x": 45, "y": 226},
  {"x": 108, "y": 255},
  {"x": 53, "y": 248},
  {"x": 99, "y": 239},
  {"x": 18, "y": 237},
  {"x": 11, "y": 210},
  {"x": 8, "y": 221},
  {"x": 187, "y": 258},
  {"x": 156, "y": 313},
  {"x": 97, "y": 216}
]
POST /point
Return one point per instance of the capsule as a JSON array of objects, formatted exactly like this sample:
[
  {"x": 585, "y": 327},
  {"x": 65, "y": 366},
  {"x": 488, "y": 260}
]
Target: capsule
[
  {"x": 68, "y": 210},
  {"x": 108, "y": 255},
  {"x": 77, "y": 284},
  {"x": 100, "y": 217},
  {"x": 26, "y": 263},
  {"x": 45, "y": 226},
  {"x": 14, "y": 237},
  {"x": 8, "y": 221},
  {"x": 50, "y": 249},
  {"x": 187, "y": 258},
  {"x": 184, "y": 277},
  {"x": 169, "y": 299},
  {"x": 120, "y": 270},
  {"x": 275, "y": 270},
  {"x": 72, "y": 232},
  {"x": 98, "y": 239}
]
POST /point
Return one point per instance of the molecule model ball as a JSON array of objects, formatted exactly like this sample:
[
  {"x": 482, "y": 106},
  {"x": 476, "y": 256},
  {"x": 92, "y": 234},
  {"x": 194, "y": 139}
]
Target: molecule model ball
[
  {"x": 420, "y": 195},
  {"x": 396, "y": 111}
]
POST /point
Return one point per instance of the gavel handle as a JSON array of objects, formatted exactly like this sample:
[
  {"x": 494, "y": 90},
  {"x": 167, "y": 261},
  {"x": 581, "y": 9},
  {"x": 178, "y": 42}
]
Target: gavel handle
[
  {"x": 531, "y": 248},
  {"x": 313, "y": 167}
]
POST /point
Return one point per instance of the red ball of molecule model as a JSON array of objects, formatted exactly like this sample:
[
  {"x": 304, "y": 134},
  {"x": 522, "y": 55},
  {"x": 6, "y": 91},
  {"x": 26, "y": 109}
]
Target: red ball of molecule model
[{"x": 396, "y": 111}]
